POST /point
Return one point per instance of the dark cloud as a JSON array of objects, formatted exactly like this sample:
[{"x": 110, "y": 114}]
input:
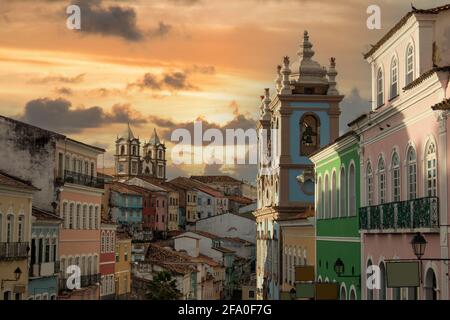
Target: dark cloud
[
  {"x": 64, "y": 91},
  {"x": 352, "y": 106},
  {"x": 60, "y": 116},
  {"x": 58, "y": 78},
  {"x": 172, "y": 81},
  {"x": 109, "y": 21},
  {"x": 160, "y": 31}
]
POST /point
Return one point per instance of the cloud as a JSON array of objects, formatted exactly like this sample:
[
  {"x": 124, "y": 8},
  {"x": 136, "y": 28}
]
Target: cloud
[
  {"x": 109, "y": 21},
  {"x": 352, "y": 106},
  {"x": 59, "y": 115},
  {"x": 239, "y": 121},
  {"x": 58, "y": 78},
  {"x": 64, "y": 91},
  {"x": 160, "y": 31},
  {"x": 171, "y": 81}
]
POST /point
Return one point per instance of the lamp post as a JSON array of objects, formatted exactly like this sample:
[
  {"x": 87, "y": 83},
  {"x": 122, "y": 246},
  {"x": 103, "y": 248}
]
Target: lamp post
[
  {"x": 419, "y": 243},
  {"x": 17, "y": 274},
  {"x": 339, "y": 269}
]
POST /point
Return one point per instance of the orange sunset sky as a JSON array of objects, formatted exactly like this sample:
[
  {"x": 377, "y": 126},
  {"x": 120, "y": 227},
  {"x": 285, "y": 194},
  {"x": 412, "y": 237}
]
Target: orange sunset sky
[{"x": 163, "y": 64}]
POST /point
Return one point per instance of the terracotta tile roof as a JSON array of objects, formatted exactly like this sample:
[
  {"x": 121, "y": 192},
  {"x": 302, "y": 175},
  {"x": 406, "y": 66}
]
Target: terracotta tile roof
[
  {"x": 426, "y": 75},
  {"x": 195, "y": 184},
  {"x": 41, "y": 215},
  {"x": 401, "y": 23},
  {"x": 238, "y": 240},
  {"x": 443, "y": 105},
  {"x": 170, "y": 260},
  {"x": 218, "y": 178},
  {"x": 123, "y": 188},
  {"x": 205, "y": 234},
  {"x": 239, "y": 199},
  {"x": 8, "y": 180},
  {"x": 138, "y": 189},
  {"x": 121, "y": 235},
  {"x": 207, "y": 260},
  {"x": 158, "y": 182}
]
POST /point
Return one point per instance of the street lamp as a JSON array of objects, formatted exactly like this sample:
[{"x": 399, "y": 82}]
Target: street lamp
[
  {"x": 17, "y": 274},
  {"x": 418, "y": 244},
  {"x": 339, "y": 267}
]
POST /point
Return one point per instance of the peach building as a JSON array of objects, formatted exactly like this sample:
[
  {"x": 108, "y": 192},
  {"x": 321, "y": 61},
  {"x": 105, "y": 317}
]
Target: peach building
[{"x": 79, "y": 197}]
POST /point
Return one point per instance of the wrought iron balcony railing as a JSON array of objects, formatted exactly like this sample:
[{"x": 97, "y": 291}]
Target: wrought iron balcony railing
[
  {"x": 85, "y": 281},
  {"x": 83, "y": 179},
  {"x": 410, "y": 214},
  {"x": 13, "y": 250}
]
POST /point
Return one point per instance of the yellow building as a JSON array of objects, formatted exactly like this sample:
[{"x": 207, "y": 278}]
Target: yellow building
[
  {"x": 123, "y": 265},
  {"x": 16, "y": 198}
]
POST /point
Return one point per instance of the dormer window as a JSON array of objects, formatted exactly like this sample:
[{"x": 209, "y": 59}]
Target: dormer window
[
  {"x": 380, "y": 91},
  {"x": 394, "y": 78},
  {"x": 409, "y": 64}
]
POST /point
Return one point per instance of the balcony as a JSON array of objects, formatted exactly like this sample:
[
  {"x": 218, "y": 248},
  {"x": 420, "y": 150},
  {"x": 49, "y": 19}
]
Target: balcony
[
  {"x": 410, "y": 214},
  {"x": 85, "y": 281},
  {"x": 83, "y": 179},
  {"x": 14, "y": 250}
]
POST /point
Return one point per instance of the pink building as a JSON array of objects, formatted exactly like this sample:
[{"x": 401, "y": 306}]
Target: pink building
[
  {"x": 107, "y": 259},
  {"x": 404, "y": 142}
]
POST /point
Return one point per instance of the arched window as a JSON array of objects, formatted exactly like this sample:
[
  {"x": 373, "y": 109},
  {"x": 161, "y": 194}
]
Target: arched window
[
  {"x": 71, "y": 213},
  {"x": 342, "y": 192},
  {"x": 96, "y": 218},
  {"x": 431, "y": 170},
  {"x": 326, "y": 207},
  {"x": 430, "y": 285},
  {"x": 412, "y": 173},
  {"x": 343, "y": 292},
  {"x": 351, "y": 190},
  {"x": 394, "y": 78},
  {"x": 381, "y": 181},
  {"x": 380, "y": 88},
  {"x": 409, "y": 64},
  {"x": 20, "y": 228},
  {"x": 396, "y": 177},
  {"x": 91, "y": 214},
  {"x": 319, "y": 198},
  {"x": 9, "y": 228},
  {"x": 78, "y": 218},
  {"x": 103, "y": 242},
  {"x": 369, "y": 184},
  {"x": 333, "y": 195},
  {"x": 160, "y": 155},
  {"x": 309, "y": 134},
  {"x": 122, "y": 150},
  {"x": 84, "y": 217},
  {"x": 369, "y": 291}
]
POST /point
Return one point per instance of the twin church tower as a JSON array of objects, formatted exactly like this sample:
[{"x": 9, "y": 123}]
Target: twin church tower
[{"x": 130, "y": 162}]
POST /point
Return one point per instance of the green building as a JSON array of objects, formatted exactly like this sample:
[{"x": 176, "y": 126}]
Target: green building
[{"x": 338, "y": 246}]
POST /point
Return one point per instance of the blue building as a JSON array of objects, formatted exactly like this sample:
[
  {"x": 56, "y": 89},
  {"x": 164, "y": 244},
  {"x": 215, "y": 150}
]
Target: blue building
[
  {"x": 44, "y": 260},
  {"x": 301, "y": 116},
  {"x": 124, "y": 204}
]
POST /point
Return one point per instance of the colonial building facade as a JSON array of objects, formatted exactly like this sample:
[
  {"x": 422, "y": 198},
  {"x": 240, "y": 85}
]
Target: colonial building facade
[
  {"x": 297, "y": 119},
  {"x": 337, "y": 224},
  {"x": 404, "y": 146}
]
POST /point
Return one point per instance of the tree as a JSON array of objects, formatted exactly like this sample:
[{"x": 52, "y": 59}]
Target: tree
[{"x": 163, "y": 287}]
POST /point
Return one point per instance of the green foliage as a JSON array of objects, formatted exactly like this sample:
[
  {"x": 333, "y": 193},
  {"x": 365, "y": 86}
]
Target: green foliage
[{"x": 163, "y": 287}]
